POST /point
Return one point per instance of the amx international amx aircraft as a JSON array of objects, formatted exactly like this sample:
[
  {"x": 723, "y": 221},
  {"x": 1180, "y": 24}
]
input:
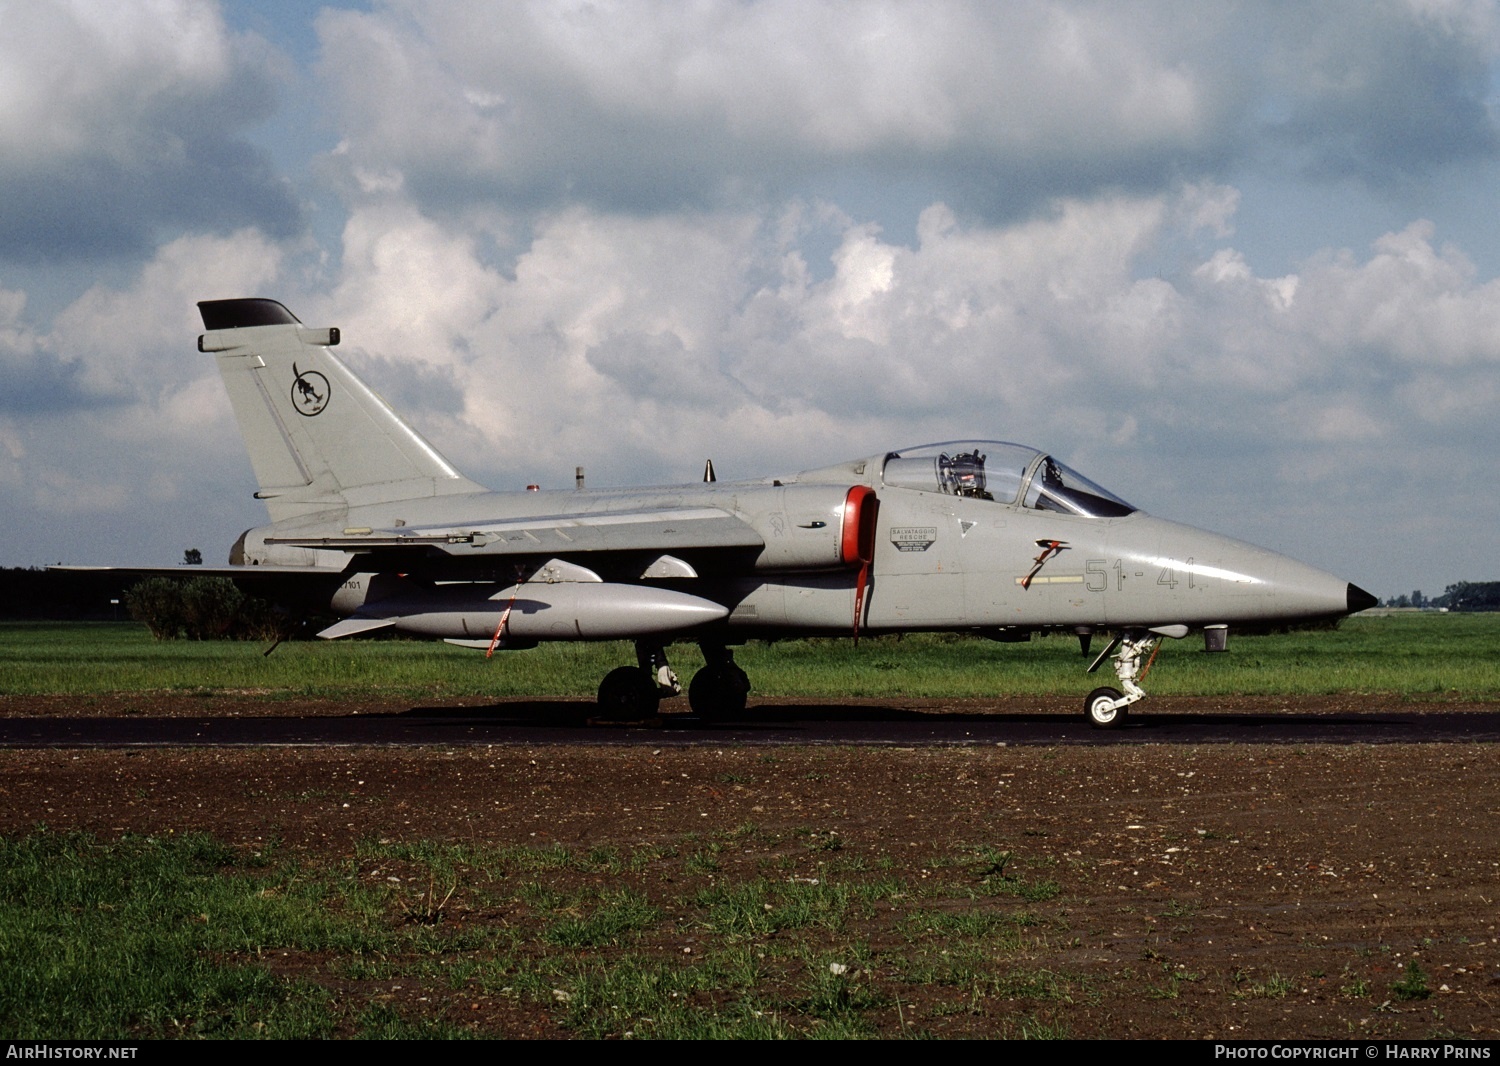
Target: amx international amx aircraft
[{"x": 984, "y": 537}]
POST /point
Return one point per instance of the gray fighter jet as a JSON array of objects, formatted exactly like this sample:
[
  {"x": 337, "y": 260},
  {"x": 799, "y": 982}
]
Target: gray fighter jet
[{"x": 984, "y": 537}]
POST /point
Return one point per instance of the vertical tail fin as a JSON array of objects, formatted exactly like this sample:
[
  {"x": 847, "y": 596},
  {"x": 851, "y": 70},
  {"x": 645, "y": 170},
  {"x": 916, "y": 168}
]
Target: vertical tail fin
[{"x": 318, "y": 437}]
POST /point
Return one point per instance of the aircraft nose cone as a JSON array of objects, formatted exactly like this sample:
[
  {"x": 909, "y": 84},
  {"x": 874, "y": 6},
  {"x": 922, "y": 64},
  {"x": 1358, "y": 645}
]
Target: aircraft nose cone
[{"x": 1359, "y": 599}]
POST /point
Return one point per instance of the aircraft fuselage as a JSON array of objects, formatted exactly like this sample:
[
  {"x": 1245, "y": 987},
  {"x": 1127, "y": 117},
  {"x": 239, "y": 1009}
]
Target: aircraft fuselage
[{"x": 939, "y": 561}]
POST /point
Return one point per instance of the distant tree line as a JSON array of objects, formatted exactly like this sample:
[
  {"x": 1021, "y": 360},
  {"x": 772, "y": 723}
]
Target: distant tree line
[
  {"x": 1472, "y": 596},
  {"x": 187, "y": 607},
  {"x": 203, "y": 608},
  {"x": 1464, "y": 596},
  {"x": 35, "y": 594}
]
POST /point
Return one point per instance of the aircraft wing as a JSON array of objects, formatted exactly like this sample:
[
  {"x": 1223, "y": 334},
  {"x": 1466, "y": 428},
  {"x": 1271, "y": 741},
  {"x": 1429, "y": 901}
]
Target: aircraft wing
[
  {"x": 272, "y": 582},
  {"x": 181, "y": 570},
  {"x": 669, "y": 529}
]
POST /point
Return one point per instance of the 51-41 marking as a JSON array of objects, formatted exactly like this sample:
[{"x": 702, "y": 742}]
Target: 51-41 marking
[{"x": 1097, "y": 575}]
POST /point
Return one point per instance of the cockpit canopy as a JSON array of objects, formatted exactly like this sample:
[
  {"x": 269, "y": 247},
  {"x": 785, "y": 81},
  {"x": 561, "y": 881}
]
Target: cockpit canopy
[{"x": 1003, "y": 472}]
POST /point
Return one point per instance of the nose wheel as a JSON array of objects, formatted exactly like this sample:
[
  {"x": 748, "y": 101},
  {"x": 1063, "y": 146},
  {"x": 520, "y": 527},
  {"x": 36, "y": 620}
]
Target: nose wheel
[{"x": 1105, "y": 708}]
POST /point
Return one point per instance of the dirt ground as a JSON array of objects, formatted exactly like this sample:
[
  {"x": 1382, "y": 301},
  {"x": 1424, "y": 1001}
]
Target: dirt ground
[{"x": 1226, "y": 891}]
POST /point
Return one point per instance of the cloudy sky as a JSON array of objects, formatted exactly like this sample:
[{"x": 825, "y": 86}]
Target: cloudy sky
[{"x": 1239, "y": 263}]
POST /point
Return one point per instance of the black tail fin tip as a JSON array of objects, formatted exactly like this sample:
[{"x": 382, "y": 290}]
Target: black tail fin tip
[{"x": 237, "y": 314}]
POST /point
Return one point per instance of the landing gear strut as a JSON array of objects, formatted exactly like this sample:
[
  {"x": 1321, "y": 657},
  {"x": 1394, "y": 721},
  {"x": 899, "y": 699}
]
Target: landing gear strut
[
  {"x": 630, "y": 693},
  {"x": 1134, "y": 650}
]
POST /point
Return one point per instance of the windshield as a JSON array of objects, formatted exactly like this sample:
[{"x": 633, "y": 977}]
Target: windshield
[
  {"x": 998, "y": 470},
  {"x": 1055, "y": 487}
]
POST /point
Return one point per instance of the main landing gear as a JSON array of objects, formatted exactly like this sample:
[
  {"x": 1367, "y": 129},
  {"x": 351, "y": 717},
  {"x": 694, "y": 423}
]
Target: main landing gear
[
  {"x": 1135, "y": 650},
  {"x": 719, "y": 689},
  {"x": 631, "y": 693}
]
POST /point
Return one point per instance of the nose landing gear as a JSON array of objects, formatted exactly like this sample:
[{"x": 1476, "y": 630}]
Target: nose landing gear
[{"x": 1134, "y": 650}]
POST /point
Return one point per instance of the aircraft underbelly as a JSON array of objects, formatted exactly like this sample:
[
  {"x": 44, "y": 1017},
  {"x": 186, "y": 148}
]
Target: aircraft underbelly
[{"x": 815, "y": 603}]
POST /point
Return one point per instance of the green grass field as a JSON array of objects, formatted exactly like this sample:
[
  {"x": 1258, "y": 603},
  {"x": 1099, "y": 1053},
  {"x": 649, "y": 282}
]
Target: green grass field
[
  {"x": 168, "y": 937},
  {"x": 1447, "y": 656}
]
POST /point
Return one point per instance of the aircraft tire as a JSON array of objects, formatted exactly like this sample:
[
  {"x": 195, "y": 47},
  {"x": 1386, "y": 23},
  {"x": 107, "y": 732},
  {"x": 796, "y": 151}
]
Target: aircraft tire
[
  {"x": 719, "y": 690},
  {"x": 627, "y": 694},
  {"x": 1100, "y": 710}
]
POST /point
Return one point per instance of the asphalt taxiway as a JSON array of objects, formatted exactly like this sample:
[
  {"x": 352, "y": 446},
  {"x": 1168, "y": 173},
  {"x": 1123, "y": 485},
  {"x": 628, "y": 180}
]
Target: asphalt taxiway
[{"x": 554, "y": 722}]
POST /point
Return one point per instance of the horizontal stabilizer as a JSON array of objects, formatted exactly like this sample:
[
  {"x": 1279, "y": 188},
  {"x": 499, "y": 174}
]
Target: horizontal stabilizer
[
  {"x": 353, "y": 626},
  {"x": 234, "y": 572}
]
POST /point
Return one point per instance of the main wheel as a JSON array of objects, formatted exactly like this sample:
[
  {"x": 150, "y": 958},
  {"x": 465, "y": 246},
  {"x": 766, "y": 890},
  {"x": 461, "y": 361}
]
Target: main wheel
[
  {"x": 1101, "y": 710},
  {"x": 627, "y": 694},
  {"x": 719, "y": 690}
]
